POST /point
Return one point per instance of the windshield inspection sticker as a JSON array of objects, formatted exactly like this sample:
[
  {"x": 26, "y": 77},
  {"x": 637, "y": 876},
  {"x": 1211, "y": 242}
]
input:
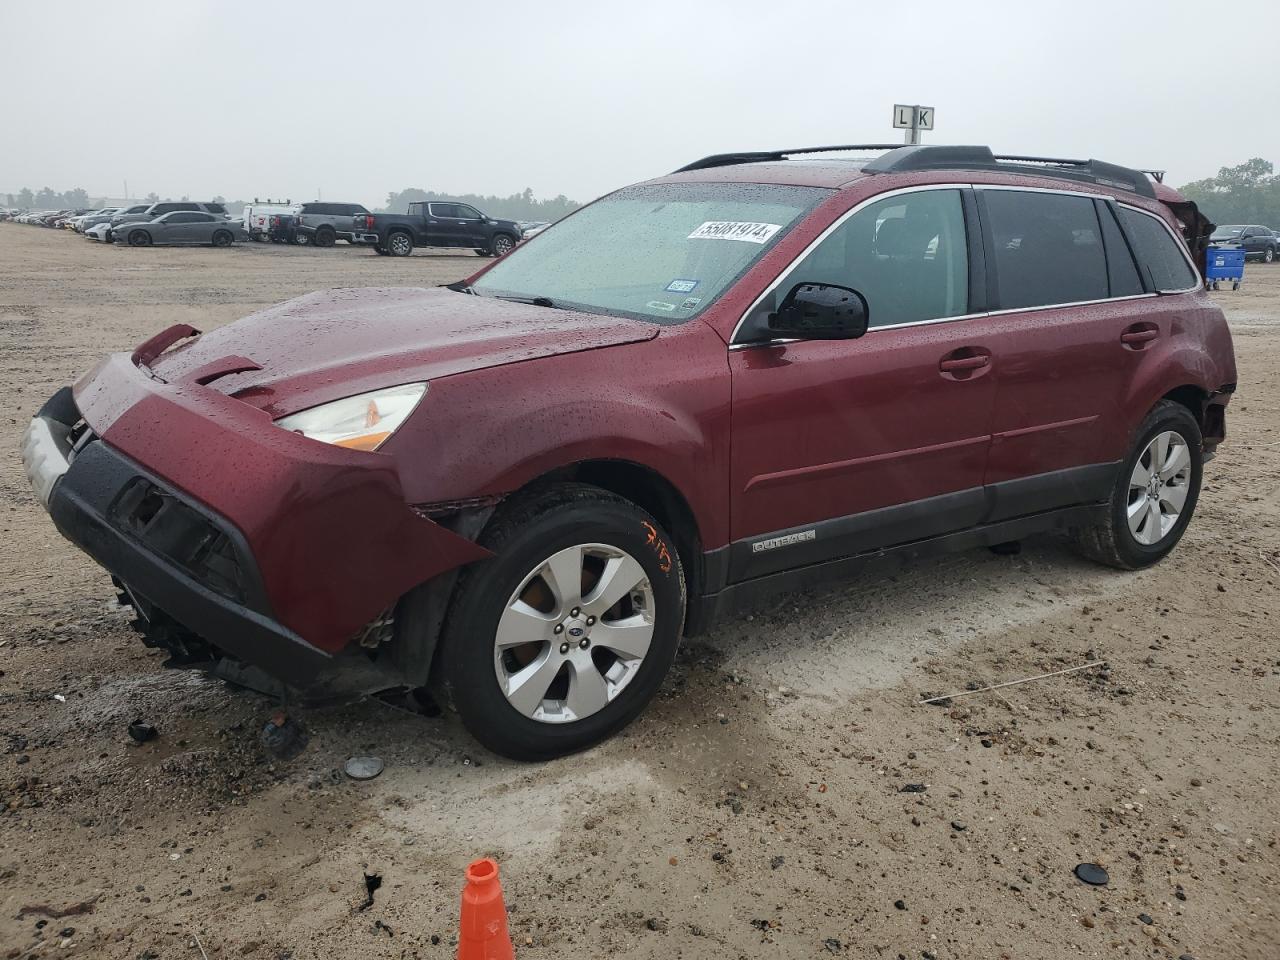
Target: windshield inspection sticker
[
  {"x": 690, "y": 302},
  {"x": 681, "y": 286},
  {"x": 735, "y": 230},
  {"x": 659, "y": 305}
]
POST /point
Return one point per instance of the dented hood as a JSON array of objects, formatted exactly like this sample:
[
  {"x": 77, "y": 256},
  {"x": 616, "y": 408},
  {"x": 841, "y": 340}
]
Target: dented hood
[{"x": 336, "y": 343}]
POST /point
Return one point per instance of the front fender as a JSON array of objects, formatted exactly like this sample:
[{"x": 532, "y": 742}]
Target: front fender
[{"x": 661, "y": 403}]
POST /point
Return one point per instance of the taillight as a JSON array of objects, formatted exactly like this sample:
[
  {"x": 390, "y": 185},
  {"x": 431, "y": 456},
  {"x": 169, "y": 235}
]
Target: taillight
[{"x": 368, "y": 221}]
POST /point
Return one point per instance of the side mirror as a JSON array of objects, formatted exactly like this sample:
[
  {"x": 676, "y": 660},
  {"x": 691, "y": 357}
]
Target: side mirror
[{"x": 816, "y": 311}]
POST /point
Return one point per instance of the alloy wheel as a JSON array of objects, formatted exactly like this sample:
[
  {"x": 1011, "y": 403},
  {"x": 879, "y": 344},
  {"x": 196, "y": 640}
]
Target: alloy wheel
[
  {"x": 1158, "y": 487},
  {"x": 502, "y": 246},
  {"x": 399, "y": 244},
  {"x": 574, "y": 634}
]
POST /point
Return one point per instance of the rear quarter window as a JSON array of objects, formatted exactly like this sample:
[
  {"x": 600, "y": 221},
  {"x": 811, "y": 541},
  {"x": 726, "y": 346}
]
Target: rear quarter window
[{"x": 1159, "y": 254}]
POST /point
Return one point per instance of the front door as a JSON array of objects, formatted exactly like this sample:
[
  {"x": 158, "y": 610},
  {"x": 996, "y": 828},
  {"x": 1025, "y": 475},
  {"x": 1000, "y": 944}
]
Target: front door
[
  {"x": 841, "y": 447},
  {"x": 473, "y": 226}
]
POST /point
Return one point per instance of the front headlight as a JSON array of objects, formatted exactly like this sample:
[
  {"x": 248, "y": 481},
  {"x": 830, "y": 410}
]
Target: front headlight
[{"x": 362, "y": 422}]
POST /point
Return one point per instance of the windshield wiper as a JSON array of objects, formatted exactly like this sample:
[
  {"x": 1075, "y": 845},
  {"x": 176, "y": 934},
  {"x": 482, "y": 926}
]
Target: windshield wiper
[{"x": 536, "y": 301}]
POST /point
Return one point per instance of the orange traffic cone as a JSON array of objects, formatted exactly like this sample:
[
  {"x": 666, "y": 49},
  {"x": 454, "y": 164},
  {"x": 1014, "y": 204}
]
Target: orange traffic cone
[{"x": 482, "y": 934}]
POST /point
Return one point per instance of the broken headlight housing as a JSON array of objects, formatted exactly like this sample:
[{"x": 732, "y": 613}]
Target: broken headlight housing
[{"x": 362, "y": 422}]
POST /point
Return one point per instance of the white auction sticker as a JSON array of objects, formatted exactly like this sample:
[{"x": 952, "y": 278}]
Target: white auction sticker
[{"x": 735, "y": 230}]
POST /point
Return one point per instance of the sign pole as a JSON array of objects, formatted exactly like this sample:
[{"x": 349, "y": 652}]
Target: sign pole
[{"x": 912, "y": 119}]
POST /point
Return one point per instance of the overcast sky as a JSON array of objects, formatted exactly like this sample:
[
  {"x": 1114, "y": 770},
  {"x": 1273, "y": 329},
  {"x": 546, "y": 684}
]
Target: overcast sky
[{"x": 354, "y": 99}]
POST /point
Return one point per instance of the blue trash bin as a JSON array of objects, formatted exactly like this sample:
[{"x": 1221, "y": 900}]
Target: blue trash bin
[{"x": 1224, "y": 263}]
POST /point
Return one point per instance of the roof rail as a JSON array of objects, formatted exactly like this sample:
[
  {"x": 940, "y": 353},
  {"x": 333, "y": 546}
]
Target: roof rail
[
  {"x": 906, "y": 159},
  {"x": 895, "y": 158},
  {"x": 767, "y": 156}
]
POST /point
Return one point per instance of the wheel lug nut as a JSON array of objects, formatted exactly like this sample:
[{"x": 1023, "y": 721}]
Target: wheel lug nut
[
  {"x": 559, "y": 628},
  {"x": 564, "y": 648},
  {"x": 591, "y": 621},
  {"x": 574, "y": 612},
  {"x": 584, "y": 643}
]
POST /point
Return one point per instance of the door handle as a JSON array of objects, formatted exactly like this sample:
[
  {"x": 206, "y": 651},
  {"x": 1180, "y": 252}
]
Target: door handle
[
  {"x": 1139, "y": 336},
  {"x": 963, "y": 363}
]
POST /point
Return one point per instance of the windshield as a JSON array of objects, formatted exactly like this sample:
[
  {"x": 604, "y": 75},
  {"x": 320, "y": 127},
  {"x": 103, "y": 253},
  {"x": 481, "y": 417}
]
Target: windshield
[
  {"x": 659, "y": 252},
  {"x": 1226, "y": 233}
]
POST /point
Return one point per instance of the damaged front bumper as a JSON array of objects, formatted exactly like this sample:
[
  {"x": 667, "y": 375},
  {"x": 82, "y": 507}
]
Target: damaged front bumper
[{"x": 275, "y": 550}]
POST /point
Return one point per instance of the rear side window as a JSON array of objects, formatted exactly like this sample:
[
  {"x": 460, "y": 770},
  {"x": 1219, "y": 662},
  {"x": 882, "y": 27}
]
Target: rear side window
[
  {"x": 445, "y": 210},
  {"x": 1121, "y": 270},
  {"x": 215, "y": 208},
  {"x": 1047, "y": 249},
  {"x": 1158, "y": 253}
]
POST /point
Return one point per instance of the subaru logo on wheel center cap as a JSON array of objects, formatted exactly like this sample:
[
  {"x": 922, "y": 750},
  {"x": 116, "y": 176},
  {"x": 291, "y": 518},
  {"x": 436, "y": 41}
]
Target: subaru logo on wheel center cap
[{"x": 576, "y": 631}]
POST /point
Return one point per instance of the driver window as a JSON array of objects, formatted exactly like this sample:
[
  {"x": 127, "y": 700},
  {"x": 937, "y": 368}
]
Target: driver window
[{"x": 906, "y": 254}]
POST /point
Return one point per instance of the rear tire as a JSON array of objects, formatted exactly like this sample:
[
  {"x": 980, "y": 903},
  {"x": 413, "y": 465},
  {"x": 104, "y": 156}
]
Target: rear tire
[
  {"x": 399, "y": 244},
  {"x": 325, "y": 238},
  {"x": 483, "y": 253},
  {"x": 577, "y": 689},
  {"x": 301, "y": 240},
  {"x": 1141, "y": 525},
  {"x": 139, "y": 238},
  {"x": 381, "y": 251}
]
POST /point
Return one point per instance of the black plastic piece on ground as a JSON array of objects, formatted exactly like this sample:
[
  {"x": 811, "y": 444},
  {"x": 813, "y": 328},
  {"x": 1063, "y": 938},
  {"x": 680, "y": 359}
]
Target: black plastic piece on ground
[
  {"x": 1092, "y": 874},
  {"x": 142, "y": 732}
]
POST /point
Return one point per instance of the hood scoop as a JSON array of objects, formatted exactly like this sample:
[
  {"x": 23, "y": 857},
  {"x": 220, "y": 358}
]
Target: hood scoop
[{"x": 217, "y": 369}]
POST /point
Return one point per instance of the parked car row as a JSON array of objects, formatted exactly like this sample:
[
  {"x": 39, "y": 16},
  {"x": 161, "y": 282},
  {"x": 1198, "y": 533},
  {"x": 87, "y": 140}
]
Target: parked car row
[
  {"x": 1257, "y": 240},
  {"x": 169, "y": 222},
  {"x": 321, "y": 224}
]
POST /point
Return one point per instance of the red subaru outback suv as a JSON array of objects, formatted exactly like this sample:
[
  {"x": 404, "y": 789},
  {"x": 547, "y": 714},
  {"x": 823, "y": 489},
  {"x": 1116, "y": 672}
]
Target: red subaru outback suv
[{"x": 748, "y": 376}]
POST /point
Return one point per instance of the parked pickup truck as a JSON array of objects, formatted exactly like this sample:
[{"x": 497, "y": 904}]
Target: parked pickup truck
[{"x": 435, "y": 224}]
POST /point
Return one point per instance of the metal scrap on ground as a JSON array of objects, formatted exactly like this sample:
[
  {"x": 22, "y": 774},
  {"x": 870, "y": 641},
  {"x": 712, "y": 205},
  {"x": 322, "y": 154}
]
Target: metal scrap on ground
[{"x": 1011, "y": 683}]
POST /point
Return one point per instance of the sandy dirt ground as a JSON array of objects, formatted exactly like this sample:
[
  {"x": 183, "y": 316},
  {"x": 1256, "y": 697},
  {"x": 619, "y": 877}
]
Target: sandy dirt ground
[{"x": 757, "y": 809}]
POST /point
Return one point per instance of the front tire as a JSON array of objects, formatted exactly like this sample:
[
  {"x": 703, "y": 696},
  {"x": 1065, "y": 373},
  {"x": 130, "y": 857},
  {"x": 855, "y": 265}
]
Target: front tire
[
  {"x": 1269, "y": 255},
  {"x": 501, "y": 245},
  {"x": 223, "y": 238},
  {"x": 139, "y": 238},
  {"x": 564, "y": 637},
  {"x": 1155, "y": 493},
  {"x": 325, "y": 238}
]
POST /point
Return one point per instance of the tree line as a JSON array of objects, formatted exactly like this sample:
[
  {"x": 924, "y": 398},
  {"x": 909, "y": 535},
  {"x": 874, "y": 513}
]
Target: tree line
[
  {"x": 1248, "y": 193},
  {"x": 518, "y": 206}
]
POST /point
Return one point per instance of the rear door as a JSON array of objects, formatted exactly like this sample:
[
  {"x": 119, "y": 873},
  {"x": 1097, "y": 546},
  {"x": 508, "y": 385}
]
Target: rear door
[
  {"x": 182, "y": 227},
  {"x": 200, "y": 226},
  {"x": 843, "y": 446},
  {"x": 1065, "y": 294}
]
